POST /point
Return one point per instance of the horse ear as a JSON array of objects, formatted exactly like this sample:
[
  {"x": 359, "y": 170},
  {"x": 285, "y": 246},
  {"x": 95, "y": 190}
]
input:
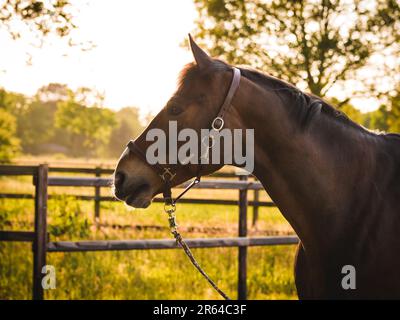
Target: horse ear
[{"x": 202, "y": 58}]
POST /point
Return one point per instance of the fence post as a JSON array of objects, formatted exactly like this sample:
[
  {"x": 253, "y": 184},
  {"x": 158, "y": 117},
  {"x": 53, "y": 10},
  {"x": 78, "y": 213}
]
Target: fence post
[
  {"x": 97, "y": 197},
  {"x": 40, "y": 242},
  {"x": 255, "y": 207},
  {"x": 242, "y": 277}
]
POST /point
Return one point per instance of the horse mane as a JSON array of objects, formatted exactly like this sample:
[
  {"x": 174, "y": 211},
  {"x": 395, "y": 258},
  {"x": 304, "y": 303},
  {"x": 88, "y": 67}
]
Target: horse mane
[{"x": 303, "y": 105}]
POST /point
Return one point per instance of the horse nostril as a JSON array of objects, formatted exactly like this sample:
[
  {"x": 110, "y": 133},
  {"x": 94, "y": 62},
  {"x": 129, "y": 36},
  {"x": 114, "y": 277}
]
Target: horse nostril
[{"x": 119, "y": 179}]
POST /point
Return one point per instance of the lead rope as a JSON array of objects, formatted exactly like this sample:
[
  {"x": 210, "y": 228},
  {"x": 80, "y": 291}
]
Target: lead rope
[
  {"x": 174, "y": 230},
  {"x": 170, "y": 208}
]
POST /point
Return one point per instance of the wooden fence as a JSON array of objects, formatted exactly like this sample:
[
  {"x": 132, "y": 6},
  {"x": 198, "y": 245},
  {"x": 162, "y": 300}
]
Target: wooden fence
[
  {"x": 42, "y": 244},
  {"x": 97, "y": 198}
]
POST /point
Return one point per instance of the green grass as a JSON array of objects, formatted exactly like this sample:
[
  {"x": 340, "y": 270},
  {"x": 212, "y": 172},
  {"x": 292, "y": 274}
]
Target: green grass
[{"x": 147, "y": 274}]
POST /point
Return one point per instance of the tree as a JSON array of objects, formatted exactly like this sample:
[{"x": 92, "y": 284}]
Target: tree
[
  {"x": 40, "y": 18},
  {"x": 378, "y": 119},
  {"x": 12, "y": 102},
  {"x": 393, "y": 120},
  {"x": 35, "y": 117},
  {"x": 11, "y": 105},
  {"x": 89, "y": 128},
  {"x": 128, "y": 127},
  {"x": 9, "y": 144},
  {"x": 315, "y": 44},
  {"x": 36, "y": 126},
  {"x": 352, "y": 112},
  {"x": 53, "y": 92}
]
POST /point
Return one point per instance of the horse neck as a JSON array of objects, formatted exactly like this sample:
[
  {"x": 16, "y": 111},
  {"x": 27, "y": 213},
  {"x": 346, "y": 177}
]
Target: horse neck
[{"x": 305, "y": 171}]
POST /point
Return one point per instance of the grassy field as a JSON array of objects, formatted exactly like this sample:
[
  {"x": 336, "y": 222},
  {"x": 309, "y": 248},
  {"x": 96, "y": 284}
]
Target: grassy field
[{"x": 147, "y": 274}]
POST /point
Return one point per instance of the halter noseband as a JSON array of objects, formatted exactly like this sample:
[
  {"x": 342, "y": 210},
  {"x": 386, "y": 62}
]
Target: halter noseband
[{"x": 164, "y": 171}]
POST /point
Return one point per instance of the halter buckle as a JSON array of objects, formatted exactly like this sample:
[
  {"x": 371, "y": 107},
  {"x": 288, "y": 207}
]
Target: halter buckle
[
  {"x": 167, "y": 172},
  {"x": 217, "y": 124}
]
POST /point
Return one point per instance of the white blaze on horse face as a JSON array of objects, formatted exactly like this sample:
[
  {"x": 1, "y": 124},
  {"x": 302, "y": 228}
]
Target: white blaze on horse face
[
  {"x": 248, "y": 159},
  {"x": 156, "y": 152},
  {"x": 188, "y": 152}
]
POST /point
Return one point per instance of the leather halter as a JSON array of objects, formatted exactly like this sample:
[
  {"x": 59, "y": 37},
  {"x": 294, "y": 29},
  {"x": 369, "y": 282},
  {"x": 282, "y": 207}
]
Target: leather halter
[{"x": 164, "y": 171}]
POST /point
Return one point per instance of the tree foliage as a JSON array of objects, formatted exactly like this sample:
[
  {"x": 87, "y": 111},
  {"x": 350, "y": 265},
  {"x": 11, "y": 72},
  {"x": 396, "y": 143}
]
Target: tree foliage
[
  {"x": 39, "y": 18},
  {"x": 352, "y": 112},
  {"x": 393, "y": 116},
  {"x": 59, "y": 120},
  {"x": 89, "y": 128},
  {"x": 128, "y": 127},
  {"x": 378, "y": 119},
  {"x": 9, "y": 144},
  {"x": 10, "y": 105},
  {"x": 316, "y": 44},
  {"x": 35, "y": 118}
]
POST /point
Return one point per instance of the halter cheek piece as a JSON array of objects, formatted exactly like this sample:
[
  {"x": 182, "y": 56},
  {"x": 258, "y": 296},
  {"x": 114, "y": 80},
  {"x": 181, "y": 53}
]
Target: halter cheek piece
[
  {"x": 167, "y": 175},
  {"x": 164, "y": 171}
]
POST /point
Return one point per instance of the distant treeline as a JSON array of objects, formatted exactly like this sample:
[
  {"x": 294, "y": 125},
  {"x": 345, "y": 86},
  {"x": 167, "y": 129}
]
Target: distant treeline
[
  {"x": 386, "y": 118},
  {"x": 58, "y": 120}
]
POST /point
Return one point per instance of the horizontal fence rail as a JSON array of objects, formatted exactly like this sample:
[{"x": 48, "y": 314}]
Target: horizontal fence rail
[
  {"x": 158, "y": 200},
  {"x": 69, "y": 246},
  {"x": 105, "y": 182},
  {"x": 29, "y": 170},
  {"x": 19, "y": 236},
  {"x": 18, "y": 170}
]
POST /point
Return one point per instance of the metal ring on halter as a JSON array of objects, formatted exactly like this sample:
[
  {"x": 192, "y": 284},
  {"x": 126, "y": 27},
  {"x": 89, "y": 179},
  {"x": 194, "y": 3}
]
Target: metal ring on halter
[
  {"x": 213, "y": 124},
  {"x": 169, "y": 207}
]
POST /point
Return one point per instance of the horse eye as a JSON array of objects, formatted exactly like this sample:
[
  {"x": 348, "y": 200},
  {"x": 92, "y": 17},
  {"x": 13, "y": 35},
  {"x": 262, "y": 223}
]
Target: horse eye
[{"x": 175, "y": 110}]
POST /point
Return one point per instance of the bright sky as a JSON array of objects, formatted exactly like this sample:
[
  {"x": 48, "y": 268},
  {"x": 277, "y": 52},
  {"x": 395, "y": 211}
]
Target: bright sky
[{"x": 136, "y": 61}]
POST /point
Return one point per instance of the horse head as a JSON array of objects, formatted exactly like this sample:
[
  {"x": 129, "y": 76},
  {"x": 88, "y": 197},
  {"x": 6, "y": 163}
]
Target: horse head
[{"x": 202, "y": 89}]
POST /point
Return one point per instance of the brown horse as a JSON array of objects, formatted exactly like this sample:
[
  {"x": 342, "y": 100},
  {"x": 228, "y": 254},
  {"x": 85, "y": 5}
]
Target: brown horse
[{"x": 334, "y": 181}]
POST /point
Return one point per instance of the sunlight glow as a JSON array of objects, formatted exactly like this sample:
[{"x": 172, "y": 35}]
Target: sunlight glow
[{"x": 136, "y": 61}]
